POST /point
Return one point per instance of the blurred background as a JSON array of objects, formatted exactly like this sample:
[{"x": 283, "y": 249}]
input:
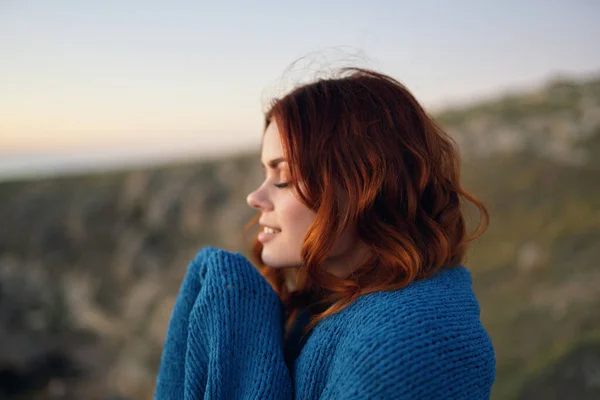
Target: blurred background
[{"x": 130, "y": 137}]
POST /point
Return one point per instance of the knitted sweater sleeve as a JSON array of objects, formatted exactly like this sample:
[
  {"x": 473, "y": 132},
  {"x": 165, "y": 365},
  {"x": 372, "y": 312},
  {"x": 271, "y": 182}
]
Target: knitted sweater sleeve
[
  {"x": 427, "y": 356},
  {"x": 224, "y": 339}
]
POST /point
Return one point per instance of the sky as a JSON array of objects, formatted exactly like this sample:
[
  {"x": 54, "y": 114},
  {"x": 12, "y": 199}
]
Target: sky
[{"x": 116, "y": 82}]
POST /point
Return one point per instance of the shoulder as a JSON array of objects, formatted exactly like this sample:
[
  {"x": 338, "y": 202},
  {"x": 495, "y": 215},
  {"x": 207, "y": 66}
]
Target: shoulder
[
  {"x": 437, "y": 311},
  {"x": 428, "y": 334},
  {"x": 446, "y": 297}
]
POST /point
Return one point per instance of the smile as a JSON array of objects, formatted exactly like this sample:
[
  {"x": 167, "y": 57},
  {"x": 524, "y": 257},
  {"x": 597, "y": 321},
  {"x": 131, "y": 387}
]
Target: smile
[{"x": 267, "y": 234}]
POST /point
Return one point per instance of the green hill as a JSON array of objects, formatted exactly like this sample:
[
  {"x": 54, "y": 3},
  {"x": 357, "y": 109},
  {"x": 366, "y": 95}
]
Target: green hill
[{"x": 537, "y": 269}]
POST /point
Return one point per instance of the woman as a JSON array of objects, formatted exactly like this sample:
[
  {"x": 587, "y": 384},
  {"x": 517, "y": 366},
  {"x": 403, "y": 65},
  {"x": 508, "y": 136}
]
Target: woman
[{"x": 358, "y": 290}]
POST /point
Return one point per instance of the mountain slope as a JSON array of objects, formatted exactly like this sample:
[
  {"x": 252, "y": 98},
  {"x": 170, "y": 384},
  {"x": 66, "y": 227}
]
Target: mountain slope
[{"x": 90, "y": 265}]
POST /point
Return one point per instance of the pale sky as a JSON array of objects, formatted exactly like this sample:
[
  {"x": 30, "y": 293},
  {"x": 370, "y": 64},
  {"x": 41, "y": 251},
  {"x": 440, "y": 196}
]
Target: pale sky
[{"x": 80, "y": 76}]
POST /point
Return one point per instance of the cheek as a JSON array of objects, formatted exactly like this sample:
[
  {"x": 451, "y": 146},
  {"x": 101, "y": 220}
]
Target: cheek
[{"x": 295, "y": 216}]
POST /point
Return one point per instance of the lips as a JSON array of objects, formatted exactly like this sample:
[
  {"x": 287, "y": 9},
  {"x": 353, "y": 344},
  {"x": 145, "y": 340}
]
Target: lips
[
  {"x": 269, "y": 226},
  {"x": 264, "y": 237}
]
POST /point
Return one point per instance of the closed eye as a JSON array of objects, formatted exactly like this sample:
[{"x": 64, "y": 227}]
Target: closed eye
[{"x": 282, "y": 185}]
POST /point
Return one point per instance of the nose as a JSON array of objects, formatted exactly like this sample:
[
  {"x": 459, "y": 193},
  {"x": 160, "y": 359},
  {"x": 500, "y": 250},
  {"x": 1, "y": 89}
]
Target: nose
[{"x": 258, "y": 200}]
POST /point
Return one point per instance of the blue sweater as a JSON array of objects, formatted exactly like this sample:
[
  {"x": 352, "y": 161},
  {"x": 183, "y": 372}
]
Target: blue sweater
[{"x": 225, "y": 341}]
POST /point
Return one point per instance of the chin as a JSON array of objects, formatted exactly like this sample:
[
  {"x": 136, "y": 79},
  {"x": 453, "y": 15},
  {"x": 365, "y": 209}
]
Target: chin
[{"x": 274, "y": 260}]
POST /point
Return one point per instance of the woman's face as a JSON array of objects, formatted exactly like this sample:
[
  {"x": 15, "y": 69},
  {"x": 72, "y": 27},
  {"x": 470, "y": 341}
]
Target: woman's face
[
  {"x": 280, "y": 207},
  {"x": 282, "y": 210}
]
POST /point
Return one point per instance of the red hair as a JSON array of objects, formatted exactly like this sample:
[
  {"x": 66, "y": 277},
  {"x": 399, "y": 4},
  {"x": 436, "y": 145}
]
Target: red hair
[{"x": 363, "y": 135}]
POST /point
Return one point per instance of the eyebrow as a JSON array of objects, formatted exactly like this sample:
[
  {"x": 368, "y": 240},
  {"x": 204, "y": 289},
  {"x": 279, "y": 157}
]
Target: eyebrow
[{"x": 274, "y": 163}]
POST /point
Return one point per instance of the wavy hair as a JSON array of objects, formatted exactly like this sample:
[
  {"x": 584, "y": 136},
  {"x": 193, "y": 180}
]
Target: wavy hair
[{"x": 363, "y": 135}]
